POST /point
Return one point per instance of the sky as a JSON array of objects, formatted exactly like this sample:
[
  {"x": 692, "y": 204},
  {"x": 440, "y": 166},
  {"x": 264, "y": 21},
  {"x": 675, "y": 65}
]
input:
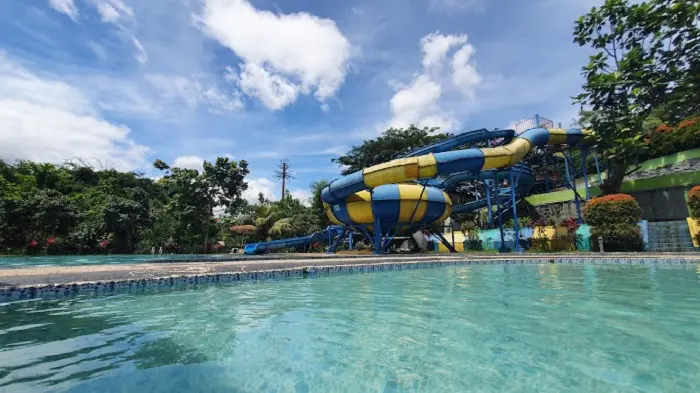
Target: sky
[{"x": 119, "y": 83}]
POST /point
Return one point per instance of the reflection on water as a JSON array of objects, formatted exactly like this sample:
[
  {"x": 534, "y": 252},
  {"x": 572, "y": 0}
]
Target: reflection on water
[{"x": 470, "y": 328}]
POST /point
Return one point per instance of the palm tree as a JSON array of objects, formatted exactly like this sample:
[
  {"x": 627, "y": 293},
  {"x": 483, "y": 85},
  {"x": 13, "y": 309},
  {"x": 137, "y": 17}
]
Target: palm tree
[{"x": 267, "y": 223}]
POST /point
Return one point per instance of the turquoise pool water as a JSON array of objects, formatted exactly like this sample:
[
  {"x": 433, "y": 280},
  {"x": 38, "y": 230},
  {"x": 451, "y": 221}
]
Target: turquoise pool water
[
  {"x": 547, "y": 328},
  {"x": 77, "y": 260}
]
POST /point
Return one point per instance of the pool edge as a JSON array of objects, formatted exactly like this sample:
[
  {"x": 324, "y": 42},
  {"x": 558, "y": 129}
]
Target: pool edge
[{"x": 183, "y": 281}]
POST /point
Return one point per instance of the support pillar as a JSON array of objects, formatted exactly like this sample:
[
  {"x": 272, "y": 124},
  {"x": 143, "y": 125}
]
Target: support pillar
[
  {"x": 584, "y": 172},
  {"x": 516, "y": 225}
]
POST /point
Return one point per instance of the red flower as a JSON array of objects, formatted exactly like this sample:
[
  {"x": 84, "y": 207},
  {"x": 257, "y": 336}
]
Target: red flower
[
  {"x": 103, "y": 243},
  {"x": 51, "y": 240},
  {"x": 663, "y": 129},
  {"x": 687, "y": 123},
  {"x": 33, "y": 243}
]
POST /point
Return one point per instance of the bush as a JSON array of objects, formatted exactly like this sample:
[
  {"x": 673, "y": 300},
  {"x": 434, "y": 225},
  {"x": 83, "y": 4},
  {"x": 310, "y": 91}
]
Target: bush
[
  {"x": 471, "y": 236},
  {"x": 662, "y": 139},
  {"x": 694, "y": 202},
  {"x": 615, "y": 218}
]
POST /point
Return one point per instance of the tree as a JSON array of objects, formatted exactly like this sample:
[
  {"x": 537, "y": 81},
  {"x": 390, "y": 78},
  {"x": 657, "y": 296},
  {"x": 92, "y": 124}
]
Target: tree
[
  {"x": 284, "y": 173},
  {"x": 194, "y": 195},
  {"x": 269, "y": 222},
  {"x": 317, "y": 203},
  {"x": 647, "y": 55},
  {"x": 392, "y": 143}
]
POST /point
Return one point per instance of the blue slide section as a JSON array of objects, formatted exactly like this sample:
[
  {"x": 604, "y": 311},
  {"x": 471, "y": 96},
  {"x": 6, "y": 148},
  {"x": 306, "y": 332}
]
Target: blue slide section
[
  {"x": 526, "y": 178},
  {"x": 264, "y": 247},
  {"x": 461, "y": 140}
]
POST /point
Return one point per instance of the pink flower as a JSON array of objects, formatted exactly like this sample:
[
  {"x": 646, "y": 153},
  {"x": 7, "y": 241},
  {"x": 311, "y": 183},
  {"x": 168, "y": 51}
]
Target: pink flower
[
  {"x": 33, "y": 243},
  {"x": 103, "y": 243},
  {"x": 51, "y": 240}
]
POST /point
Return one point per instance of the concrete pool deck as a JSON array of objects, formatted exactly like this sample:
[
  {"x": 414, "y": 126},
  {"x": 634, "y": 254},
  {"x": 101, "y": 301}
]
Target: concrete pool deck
[{"x": 159, "y": 270}]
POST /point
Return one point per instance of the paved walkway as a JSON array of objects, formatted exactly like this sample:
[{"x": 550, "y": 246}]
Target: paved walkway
[{"x": 48, "y": 275}]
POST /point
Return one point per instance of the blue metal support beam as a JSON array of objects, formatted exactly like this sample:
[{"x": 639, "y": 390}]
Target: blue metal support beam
[
  {"x": 488, "y": 201},
  {"x": 597, "y": 167},
  {"x": 584, "y": 154},
  {"x": 333, "y": 246},
  {"x": 516, "y": 226},
  {"x": 571, "y": 183}
]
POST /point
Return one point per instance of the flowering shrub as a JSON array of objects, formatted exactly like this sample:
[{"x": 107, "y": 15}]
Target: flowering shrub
[
  {"x": 615, "y": 218},
  {"x": 688, "y": 123},
  {"x": 664, "y": 140},
  {"x": 664, "y": 129},
  {"x": 612, "y": 209},
  {"x": 694, "y": 202}
]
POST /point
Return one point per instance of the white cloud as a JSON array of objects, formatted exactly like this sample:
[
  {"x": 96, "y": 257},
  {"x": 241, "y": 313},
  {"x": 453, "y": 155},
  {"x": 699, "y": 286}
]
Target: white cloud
[
  {"x": 117, "y": 13},
  {"x": 420, "y": 102},
  {"x": 435, "y": 47},
  {"x": 67, "y": 7},
  {"x": 302, "y": 195},
  {"x": 46, "y": 120},
  {"x": 464, "y": 74},
  {"x": 335, "y": 150},
  {"x": 141, "y": 54},
  {"x": 188, "y": 162},
  {"x": 273, "y": 90},
  {"x": 285, "y": 54},
  {"x": 257, "y": 186},
  {"x": 458, "y": 5},
  {"x": 417, "y": 104},
  {"x": 112, "y": 11},
  {"x": 412, "y": 102},
  {"x": 192, "y": 93}
]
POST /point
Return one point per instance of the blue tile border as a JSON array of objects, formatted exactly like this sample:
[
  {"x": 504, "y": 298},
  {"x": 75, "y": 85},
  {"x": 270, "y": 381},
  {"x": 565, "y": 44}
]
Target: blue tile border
[{"x": 8, "y": 294}]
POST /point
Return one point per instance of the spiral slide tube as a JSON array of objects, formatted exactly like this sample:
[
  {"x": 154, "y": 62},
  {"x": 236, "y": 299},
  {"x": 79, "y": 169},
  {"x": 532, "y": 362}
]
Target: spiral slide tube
[{"x": 473, "y": 160}]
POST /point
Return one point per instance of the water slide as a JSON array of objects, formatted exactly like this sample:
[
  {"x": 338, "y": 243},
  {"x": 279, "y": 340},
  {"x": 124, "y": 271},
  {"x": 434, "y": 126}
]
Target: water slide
[
  {"x": 263, "y": 247},
  {"x": 347, "y": 200},
  {"x": 407, "y": 193},
  {"x": 432, "y": 206}
]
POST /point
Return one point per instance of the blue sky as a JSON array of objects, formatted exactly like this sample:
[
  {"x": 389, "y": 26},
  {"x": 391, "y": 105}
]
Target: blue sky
[{"x": 119, "y": 83}]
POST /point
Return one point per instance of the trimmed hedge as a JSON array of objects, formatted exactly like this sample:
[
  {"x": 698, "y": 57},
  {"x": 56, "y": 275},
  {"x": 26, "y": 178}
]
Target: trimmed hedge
[
  {"x": 694, "y": 202},
  {"x": 615, "y": 217}
]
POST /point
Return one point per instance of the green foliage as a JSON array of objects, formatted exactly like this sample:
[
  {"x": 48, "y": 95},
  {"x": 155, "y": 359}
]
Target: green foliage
[
  {"x": 663, "y": 139},
  {"x": 317, "y": 203},
  {"x": 288, "y": 217},
  {"x": 472, "y": 241},
  {"x": 392, "y": 143},
  {"x": 647, "y": 56},
  {"x": 615, "y": 218},
  {"x": 73, "y": 208},
  {"x": 694, "y": 202}
]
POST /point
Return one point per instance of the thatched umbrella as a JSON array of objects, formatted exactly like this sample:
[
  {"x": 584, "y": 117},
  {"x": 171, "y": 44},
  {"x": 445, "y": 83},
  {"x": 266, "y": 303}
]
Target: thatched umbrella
[{"x": 244, "y": 229}]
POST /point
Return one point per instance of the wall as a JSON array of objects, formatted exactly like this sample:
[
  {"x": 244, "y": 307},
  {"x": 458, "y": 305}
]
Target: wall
[
  {"x": 657, "y": 205},
  {"x": 662, "y": 205}
]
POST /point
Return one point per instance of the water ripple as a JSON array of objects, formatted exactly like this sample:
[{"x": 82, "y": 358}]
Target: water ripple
[{"x": 545, "y": 328}]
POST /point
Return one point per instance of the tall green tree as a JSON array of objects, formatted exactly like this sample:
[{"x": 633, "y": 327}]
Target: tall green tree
[
  {"x": 392, "y": 143},
  {"x": 646, "y": 56},
  {"x": 317, "y": 203}
]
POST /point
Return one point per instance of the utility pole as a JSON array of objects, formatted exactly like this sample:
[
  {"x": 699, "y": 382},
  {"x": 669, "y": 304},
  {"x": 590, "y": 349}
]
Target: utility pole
[{"x": 284, "y": 173}]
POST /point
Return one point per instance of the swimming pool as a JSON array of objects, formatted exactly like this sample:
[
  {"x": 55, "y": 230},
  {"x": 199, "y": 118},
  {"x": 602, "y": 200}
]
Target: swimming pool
[
  {"x": 80, "y": 260},
  {"x": 488, "y": 328}
]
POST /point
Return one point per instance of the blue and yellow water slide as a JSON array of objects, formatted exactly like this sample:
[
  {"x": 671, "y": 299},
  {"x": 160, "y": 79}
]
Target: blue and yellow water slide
[
  {"x": 409, "y": 193},
  {"x": 406, "y": 194}
]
